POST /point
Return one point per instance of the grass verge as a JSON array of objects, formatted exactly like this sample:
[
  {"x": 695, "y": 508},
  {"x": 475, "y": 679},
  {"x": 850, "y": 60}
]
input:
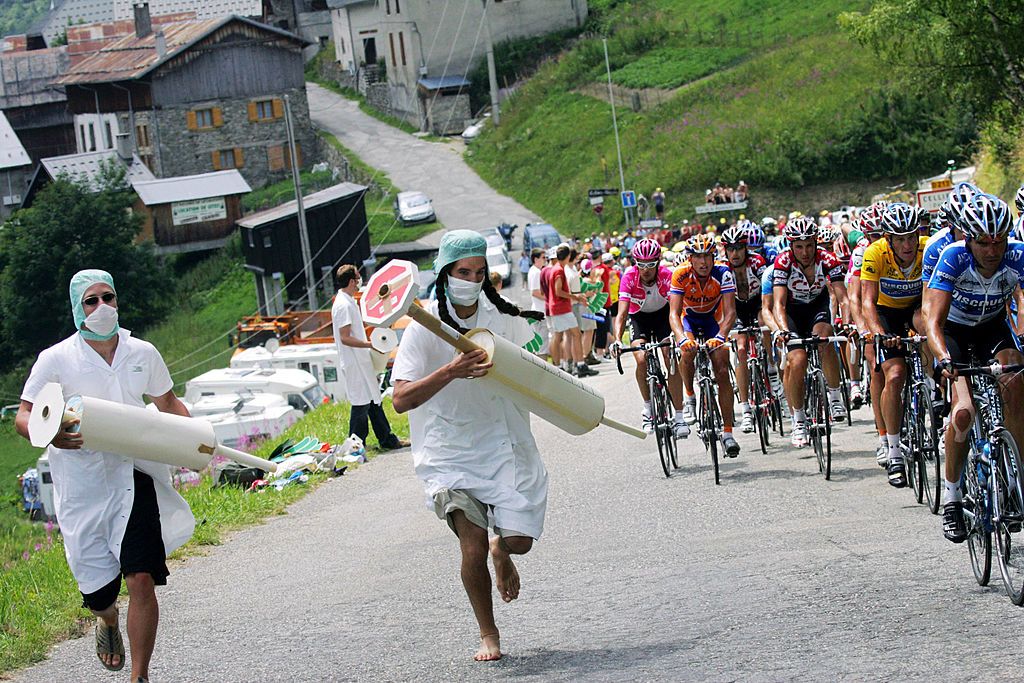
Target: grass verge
[{"x": 39, "y": 600}]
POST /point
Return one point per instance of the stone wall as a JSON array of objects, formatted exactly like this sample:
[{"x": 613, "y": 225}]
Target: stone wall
[
  {"x": 349, "y": 173},
  {"x": 448, "y": 114},
  {"x": 180, "y": 151},
  {"x": 378, "y": 96}
]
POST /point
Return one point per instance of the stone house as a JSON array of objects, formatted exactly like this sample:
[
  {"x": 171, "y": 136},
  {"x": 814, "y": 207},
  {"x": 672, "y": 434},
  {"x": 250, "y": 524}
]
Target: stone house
[
  {"x": 429, "y": 48},
  {"x": 201, "y": 96}
]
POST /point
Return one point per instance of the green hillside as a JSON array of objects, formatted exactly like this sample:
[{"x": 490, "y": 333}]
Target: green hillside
[
  {"x": 16, "y": 16},
  {"x": 773, "y": 93}
]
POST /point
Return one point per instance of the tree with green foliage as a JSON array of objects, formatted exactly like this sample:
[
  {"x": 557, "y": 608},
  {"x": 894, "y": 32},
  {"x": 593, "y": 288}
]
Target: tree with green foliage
[
  {"x": 965, "y": 48},
  {"x": 72, "y": 225}
]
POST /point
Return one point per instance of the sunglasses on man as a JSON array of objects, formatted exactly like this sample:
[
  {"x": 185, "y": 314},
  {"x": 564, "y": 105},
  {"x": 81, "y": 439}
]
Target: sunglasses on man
[{"x": 106, "y": 297}]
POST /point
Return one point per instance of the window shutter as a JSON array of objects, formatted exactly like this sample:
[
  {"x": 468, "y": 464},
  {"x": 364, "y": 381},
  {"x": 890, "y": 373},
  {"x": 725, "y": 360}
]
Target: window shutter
[
  {"x": 252, "y": 112},
  {"x": 275, "y": 157},
  {"x": 218, "y": 117},
  {"x": 298, "y": 154},
  {"x": 190, "y": 119},
  {"x": 216, "y": 160},
  {"x": 278, "y": 106},
  {"x": 239, "y": 157}
]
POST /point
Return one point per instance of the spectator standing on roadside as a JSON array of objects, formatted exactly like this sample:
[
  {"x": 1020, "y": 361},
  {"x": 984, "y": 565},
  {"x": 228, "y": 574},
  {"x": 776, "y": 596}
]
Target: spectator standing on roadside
[
  {"x": 537, "y": 298},
  {"x": 659, "y": 203},
  {"x": 742, "y": 191},
  {"x": 563, "y": 320},
  {"x": 628, "y": 241},
  {"x": 524, "y": 267}
]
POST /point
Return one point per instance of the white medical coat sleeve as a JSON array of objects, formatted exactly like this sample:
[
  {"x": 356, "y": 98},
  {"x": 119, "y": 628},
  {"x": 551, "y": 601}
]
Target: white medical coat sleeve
[
  {"x": 160, "y": 381},
  {"x": 410, "y": 361},
  {"x": 44, "y": 371}
]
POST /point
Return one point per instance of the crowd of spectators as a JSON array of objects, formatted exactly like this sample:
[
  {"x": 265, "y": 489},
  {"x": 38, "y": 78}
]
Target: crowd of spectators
[{"x": 720, "y": 194}]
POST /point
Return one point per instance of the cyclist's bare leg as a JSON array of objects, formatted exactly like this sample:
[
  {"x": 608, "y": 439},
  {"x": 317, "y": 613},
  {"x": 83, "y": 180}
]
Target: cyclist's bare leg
[
  {"x": 853, "y": 354},
  {"x": 686, "y": 369},
  {"x": 927, "y": 359},
  {"x": 796, "y": 369},
  {"x": 877, "y": 384},
  {"x": 829, "y": 360},
  {"x": 958, "y": 432},
  {"x": 675, "y": 382},
  {"x": 641, "y": 371},
  {"x": 1013, "y": 395},
  {"x": 895, "y": 372},
  {"x": 742, "y": 371},
  {"x": 720, "y": 365}
]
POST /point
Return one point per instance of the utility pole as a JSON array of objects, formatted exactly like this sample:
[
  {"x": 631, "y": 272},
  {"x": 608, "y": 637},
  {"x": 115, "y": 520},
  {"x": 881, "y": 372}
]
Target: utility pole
[
  {"x": 307, "y": 259},
  {"x": 492, "y": 75},
  {"x": 615, "y": 124}
]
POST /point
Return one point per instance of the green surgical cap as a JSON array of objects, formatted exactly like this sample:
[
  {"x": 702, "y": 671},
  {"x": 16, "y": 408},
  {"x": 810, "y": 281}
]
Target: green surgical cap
[
  {"x": 80, "y": 282},
  {"x": 459, "y": 244}
]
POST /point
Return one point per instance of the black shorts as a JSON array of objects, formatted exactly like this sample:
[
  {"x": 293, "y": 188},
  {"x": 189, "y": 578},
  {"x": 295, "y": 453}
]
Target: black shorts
[
  {"x": 651, "y": 327},
  {"x": 898, "y": 321},
  {"x": 747, "y": 312},
  {"x": 142, "y": 549},
  {"x": 982, "y": 341},
  {"x": 801, "y": 318}
]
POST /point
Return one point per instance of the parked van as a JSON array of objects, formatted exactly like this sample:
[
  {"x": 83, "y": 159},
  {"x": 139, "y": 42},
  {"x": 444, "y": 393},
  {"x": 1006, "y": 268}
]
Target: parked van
[
  {"x": 298, "y": 387},
  {"x": 319, "y": 360},
  {"x": 540, "y": 236},
  {"x": 245, "y": 415}
]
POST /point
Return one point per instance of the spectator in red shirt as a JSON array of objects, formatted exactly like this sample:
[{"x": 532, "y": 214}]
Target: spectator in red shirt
[{"x": 563, "y": 322}]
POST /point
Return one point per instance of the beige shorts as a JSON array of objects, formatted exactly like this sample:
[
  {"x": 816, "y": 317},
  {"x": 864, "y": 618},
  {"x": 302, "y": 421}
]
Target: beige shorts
[
  {"x": 585, "y": 324},
  {"x": 563, "y": 322},
  {"x": 447, "y": 501}
]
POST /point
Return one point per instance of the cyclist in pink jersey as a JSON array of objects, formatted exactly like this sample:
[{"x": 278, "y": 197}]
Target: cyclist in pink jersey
[{"x": 643, "y": 303}]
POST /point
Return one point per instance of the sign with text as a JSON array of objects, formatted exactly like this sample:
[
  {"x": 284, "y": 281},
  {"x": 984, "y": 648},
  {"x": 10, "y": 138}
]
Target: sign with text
[
  {"x": 931, "y": 200},
  {"x": 602, "y": 192},
  {"x": 650, "y": 223},
  {"x": 198, "y": 211}
]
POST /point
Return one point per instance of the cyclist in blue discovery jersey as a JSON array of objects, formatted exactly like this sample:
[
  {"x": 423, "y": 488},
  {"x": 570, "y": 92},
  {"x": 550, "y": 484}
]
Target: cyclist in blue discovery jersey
[{"x": 966, "y": 305}]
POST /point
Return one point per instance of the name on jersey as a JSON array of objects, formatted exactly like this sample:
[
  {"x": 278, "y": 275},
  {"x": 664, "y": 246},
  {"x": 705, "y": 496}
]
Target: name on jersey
[{"x": 900, "y": 288}]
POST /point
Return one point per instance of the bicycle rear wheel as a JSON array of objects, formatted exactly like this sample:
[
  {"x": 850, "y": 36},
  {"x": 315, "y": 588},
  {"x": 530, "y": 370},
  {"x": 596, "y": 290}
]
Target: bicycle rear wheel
[
  {"x": 658, "y": 413},
  {"x": 919, "y": 408},
  {"x": 1009, "y": 501},
  {"x": 979, "y": 540},
  {"x": 931, "y": 456},
  {"x": 844, "y": 384},
  {"x": 758, "y": 397},
  {"x": 673, "y": 446}
]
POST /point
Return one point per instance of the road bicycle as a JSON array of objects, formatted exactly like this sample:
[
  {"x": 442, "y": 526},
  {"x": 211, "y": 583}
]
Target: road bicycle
[
  {"x": 844, "y": 376},
  {"x": 919, "y": 431},
  {"x": 816, "y": 407},
  {"x": 993, "y": 490},
  {"x": 766, "y": 405},
  {"x": 710, "y": 425},
  {"x": 662, "y": 411}
]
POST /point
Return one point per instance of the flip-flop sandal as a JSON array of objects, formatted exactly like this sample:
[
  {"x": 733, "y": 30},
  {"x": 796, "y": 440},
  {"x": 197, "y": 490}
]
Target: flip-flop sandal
[{"x": 108, "y": 642}]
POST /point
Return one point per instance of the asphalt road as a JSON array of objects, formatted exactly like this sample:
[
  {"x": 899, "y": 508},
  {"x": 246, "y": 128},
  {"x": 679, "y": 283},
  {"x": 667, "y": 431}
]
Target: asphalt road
[
  {"x": 461, "y": 199},
  {"x": 776, "y": 574}
]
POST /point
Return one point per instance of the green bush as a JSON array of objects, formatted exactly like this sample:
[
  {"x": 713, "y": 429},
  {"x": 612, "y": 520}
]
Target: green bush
[{"x": 670, "y": 67}]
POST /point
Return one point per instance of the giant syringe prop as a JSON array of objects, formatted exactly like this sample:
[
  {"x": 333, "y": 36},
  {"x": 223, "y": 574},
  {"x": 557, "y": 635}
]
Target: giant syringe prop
[
  {"x": 539, "y": 387},
  {"x": 132, "y": 431}
]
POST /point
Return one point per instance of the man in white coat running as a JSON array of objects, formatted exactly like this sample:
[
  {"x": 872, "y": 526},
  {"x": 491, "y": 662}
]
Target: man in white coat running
[
  {"x": 472, "y": 448},
  {"x": 119, "y": 516},
  {"x": 361, "y": 384}
]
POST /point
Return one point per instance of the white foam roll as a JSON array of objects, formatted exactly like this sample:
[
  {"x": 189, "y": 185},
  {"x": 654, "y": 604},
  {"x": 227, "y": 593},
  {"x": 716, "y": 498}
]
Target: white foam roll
[
  {"x": 541, "y": 388},
  {"x": 384, "y": 339}
]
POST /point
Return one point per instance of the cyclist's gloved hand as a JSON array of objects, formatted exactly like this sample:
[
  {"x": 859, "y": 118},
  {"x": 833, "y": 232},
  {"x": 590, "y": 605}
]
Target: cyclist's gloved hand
[
  {"x": 616, "y": 348},
  {"x": 715, "y": 342},
  {"x": 781, "y": 336},
  {"x": 946, "y": 367},
  {"x": 688, "y": 344},
  {"x": 890, "y": 341}
]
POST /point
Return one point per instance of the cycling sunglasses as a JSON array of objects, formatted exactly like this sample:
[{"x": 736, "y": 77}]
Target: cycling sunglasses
[
  {"x": 647, "y": 264},
  {"x": 106, "y": 297}
]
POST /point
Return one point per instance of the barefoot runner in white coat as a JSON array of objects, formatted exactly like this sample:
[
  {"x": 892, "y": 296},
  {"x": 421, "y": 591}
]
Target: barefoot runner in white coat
[
  {"x": 117, "y": 515},
  {"x": 472, "y": 449}
]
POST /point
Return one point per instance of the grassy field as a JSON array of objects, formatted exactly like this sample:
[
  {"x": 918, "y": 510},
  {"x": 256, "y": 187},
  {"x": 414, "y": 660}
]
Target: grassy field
[
  {"x": 791, "y": 105},
  {"x": 39, "y": 601}
]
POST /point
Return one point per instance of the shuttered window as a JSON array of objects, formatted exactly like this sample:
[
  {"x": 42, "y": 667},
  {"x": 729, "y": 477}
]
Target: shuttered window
[
  {"x": 401, "y": 45},
  {"x": 266, "y": 110},
  {"x": 227, "y": 158},
  {"x": 204, "y": 119},
  {"x": 391, "y": 41},
  {"x": 278, "y": 158}
]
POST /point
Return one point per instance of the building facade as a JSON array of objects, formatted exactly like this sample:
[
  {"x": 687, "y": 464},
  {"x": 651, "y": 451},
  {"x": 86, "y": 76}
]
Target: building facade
[
  {"x": 203, "y": 96},
  {"x": 422, "y": 42}
]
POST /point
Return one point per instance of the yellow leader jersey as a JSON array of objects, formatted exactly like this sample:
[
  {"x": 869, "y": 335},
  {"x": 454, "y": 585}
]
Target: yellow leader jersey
[{"x": 897, "y": 287}]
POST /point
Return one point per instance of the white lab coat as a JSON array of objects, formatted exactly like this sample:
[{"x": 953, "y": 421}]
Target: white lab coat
[
  {"x": 469, "y": 438},
  {"x": 94, "y": 490},
  {"x": 361, "y": 383}
]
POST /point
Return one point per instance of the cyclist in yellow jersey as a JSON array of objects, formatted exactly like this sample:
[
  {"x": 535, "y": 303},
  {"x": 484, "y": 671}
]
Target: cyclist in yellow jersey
[{"x": 891, "y": 289}]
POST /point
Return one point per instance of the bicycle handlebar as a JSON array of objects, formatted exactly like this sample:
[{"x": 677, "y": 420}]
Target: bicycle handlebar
[
  {"x": 649, "y": 346},
  {"x": 813, "y": 341},
  {"x": 753, "y": 329},
  {"x": 993, "y": 370}
]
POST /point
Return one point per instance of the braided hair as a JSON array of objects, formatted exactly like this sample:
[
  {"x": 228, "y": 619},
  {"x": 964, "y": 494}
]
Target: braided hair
[{"x": 501, "y": 303}]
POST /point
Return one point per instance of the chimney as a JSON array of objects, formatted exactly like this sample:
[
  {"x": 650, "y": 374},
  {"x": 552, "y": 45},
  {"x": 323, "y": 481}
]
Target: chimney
[
  {"x": 161, "y": 44},
  {"x": 143, "y": 23},
  {"x": 123, "y": 145}
]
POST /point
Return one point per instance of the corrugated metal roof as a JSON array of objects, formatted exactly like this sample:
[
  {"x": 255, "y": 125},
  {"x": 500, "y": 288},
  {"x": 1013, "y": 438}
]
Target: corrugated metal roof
[
  {"x": 185, "y": 188},
  {"x": 87, "y": 166},
  {"x": 131, "y": 57},
  {"x": 12, "y": 153},
  {"x": 339, "y": 191},
  {"x": 341, "y": 4},
  {"x": 443, "y": 82},
  {"x": 26, "y": 77}
]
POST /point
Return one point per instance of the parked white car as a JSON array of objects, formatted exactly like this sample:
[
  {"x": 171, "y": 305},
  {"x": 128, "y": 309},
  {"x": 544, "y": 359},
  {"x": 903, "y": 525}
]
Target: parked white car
[
  {"x": 498, "y": 261},
  {"x": 414, "y": 207}
]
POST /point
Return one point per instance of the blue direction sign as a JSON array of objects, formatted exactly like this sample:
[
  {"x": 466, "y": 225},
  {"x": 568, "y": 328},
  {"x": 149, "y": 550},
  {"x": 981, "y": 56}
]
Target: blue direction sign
[{"x": 629, "y": 199}]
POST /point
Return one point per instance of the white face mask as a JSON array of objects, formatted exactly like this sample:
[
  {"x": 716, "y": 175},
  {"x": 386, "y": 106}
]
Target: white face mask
[
  {"x": 102, "y": 321},
  {"x": 463, "y": 292}
]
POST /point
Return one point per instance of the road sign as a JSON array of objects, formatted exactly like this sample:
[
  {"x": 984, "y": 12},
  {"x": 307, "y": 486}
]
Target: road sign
[
  {"x": 931, "y": 200},
  {"x": 594, "y": 201},
  {"x": 602, "y": 192},
  {"x": 598, "y": 208},
  {"x": 389, "y": 293},
  {"x": 651, "y": 223},
  {"x": 629, "y": 199}
]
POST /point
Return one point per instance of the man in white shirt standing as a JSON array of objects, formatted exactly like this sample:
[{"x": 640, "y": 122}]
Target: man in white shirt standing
[
  {"x": 537, "y": 299},
  {"x": 118, "y": 516},
  {"x": 361, "y": 383}
]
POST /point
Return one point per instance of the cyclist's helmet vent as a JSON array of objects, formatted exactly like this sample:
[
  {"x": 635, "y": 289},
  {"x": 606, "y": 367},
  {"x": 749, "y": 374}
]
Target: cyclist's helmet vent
[
  {"x": 1019, "y": 200},
  {"x": 755, "y": 237},
  {"x": 736, "y": 234},
  {"x": 646, "y": 250},
  {"x": 899, "y": 219},
  {"x": 701, "y": 244},
  {"x": 801, "y": 228},
  {"x": 986, "y": 216}
]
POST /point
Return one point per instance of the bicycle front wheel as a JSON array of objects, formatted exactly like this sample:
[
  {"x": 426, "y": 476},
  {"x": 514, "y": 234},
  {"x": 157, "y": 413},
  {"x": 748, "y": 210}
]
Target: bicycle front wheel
[
  {"x": 658, "y": 413},
  {"x": 931, "y": 456},
  {"x": 708, "y": 426},
  {"x": 1009, "y": 502},
  {"x": 758, "y": 397},
  {"x": 979, "y": 539}
]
